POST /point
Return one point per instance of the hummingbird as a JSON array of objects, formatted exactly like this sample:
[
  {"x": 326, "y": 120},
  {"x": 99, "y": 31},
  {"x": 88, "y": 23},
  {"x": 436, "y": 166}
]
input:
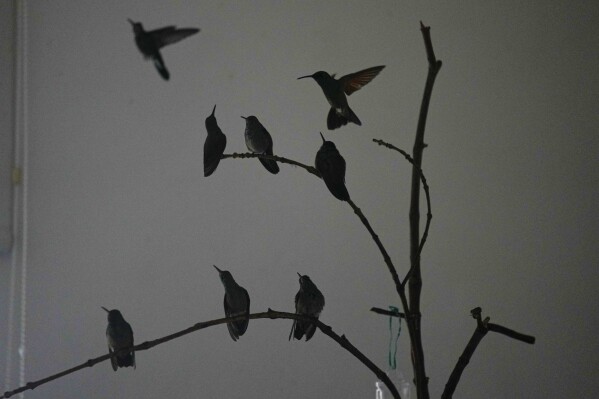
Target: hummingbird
[
  {"x": 259, "y": 141},
  {"x": 336, "y": 89},
  {"x": 237, "y": 302},
  {"x": 214, "y": 146},
  {"x": 308, "y": 301},
  {"x": 331, "y": 166},
  {"x": 119, "y": 335},
  {"x": 150, "y": 42}
]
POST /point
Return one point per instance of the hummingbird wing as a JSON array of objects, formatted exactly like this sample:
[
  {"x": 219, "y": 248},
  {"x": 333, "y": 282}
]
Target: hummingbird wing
[
  {"x": 126, "y": 359},
  {"x": 242, "y": 325},
  {"x": 294, "y": 325},
  {"x": 230, "y": 326},
  {"x": 355, "y": 81},
  {"x": 170, "y": 34},
  {"x": 332, "y": 168},
  {"x": 132, "y": 363},
  {"x": 214, "y": 147},
  {"x": 269, "y": 164},
  {"x": 113, "y": 360}
]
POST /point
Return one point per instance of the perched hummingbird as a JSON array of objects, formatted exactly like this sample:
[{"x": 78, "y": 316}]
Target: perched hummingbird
[
  {"x": 214, "y": 146},
  {"x": 258, "y": 141},
  {"x": 237, "y": 302},
  {"x": 336, "y": 89},
  {"x": 308, "y": 301},
  {"x": 331, "y": 166},
  {"x": 150, "y": 42},
  {"x": 120, "y": 336}
]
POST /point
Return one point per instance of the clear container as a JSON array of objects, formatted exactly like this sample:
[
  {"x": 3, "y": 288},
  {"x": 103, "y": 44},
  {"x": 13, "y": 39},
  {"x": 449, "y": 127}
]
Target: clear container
[{"x": 397, "y": 378}]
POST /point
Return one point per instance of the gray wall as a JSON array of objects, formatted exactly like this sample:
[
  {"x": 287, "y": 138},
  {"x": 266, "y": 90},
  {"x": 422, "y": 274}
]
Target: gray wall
[{"x": 120, "y": 215}]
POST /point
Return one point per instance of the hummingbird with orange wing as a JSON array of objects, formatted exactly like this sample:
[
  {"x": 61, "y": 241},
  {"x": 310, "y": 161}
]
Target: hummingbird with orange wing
[{"x": 335, "y": 90}]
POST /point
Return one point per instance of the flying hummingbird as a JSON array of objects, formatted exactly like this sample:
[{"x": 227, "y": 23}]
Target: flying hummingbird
[
  {"x": 119, "y": 335},
  {"x": 308, "y": 301},
  {"x": 237, "y": 302},
  {"x": 336, "y": 89},
  {"x": 331, "y": 166},
  {"x": 214, "y": 146},
  {"x": 259, "y": 141},
  {"x": 150, "y": 42}
]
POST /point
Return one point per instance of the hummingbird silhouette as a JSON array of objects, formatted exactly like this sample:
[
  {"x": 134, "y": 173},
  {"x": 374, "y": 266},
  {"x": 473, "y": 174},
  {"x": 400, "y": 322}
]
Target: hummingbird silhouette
[
  {"x": 259, "y": 141},
  {"x": 335, "y": 91},
  {"x": 237, "y": 302},
  {"x": 331, "y": 166},
  {"x": 309, "y": 301},
  {"x": 150, "y": 42},
  {"x": 214, "y": 146},
  {"x": 119, "y": 335}
]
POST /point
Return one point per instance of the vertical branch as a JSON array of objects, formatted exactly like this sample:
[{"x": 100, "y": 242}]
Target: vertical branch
[{"x": 415, "y": 282}]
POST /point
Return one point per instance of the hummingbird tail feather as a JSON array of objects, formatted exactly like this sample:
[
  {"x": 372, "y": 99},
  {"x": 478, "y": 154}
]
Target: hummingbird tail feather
[
  {"x": 298, "y": 333},
  {"x": 335, "y": 120},
  {"x": 270, "y": 165},
  {"x": 232, "y": 331},
  {"x": 352, "y": 117},
  {"x": 159, "y": 64},
  {"x": 338, "y": 190},
  {"x": 310, "y": 330},
  {"x": 126, "y": 360}
]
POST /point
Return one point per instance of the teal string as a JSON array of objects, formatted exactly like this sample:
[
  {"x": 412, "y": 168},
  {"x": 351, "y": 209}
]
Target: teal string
[{"x": 392, "y": 340}]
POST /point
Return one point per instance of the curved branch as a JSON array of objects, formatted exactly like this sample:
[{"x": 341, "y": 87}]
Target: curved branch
[
  {"x": 429, "y": 214},
  {"x": 310, "y": 169},
  {"x": 398, "y": 284},
  {"x": 270, "y": 314}
]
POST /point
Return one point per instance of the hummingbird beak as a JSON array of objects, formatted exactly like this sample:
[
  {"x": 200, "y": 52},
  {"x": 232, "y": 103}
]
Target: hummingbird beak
[
  {"x": 244, "y": 117},
  {"x": 323, "y": 140},
  {"x": 300, "y": 276},
  {"x": 213, "y": 109},
  {"x": 107, "y": 311},
  {"x": 220, "y": 271},
  {"x": 303, "y": 77},
  {"x": 131, "y": 22}
]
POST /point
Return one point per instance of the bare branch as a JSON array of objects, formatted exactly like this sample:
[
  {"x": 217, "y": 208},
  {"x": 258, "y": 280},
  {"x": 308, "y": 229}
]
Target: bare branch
[
  {"x": 429, "y": 215},
  {"x": 310, "y": 169},
  {"x": 379, "y": 244},
  {"x": 482, "y": 328},
  {"x": 270, "y": 314},
  {"x": 529, "y": 339}
]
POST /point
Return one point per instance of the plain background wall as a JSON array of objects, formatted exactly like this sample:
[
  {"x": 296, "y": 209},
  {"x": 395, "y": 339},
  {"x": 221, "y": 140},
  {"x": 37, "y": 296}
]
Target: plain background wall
[{"x": 121, "y": 216}]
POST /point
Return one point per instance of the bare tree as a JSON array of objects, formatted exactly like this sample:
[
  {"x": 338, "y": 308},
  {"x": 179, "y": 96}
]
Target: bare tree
[{"x": 410, "y": 298}]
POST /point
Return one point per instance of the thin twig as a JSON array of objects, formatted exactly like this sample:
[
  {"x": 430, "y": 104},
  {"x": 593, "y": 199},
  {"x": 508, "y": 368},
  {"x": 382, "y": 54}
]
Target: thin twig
[
  {"x": 310, "y": 169},
  {"x": 379, "y": 244},
  {"x": 528, "y": 339},
  {"x": 429, "y": 215},
  {"x": 270, "y": 314},
  {"x": 415, "y": 281},
  {"x": 482, "y": 328},
  {"x": 388, "y": 312}
]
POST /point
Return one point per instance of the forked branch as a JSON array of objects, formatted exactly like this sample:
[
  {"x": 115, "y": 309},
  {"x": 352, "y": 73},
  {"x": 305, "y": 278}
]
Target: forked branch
[{"x": 482, "y": 328}]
